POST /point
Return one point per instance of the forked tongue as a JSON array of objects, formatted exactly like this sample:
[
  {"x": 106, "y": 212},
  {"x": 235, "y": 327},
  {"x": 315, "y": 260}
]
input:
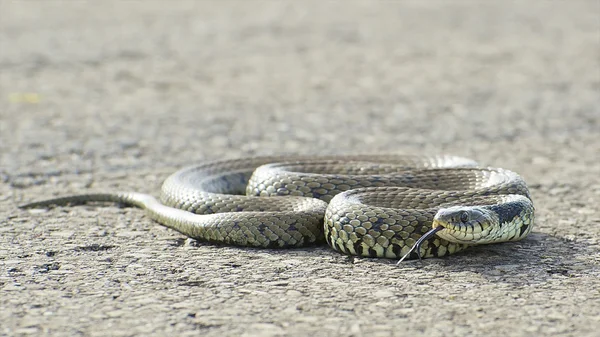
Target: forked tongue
[{"x": 419, "y": 242}]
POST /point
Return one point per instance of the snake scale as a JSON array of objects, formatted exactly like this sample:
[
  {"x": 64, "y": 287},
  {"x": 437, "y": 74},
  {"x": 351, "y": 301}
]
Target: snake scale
[{"x": 391, "y": 206}]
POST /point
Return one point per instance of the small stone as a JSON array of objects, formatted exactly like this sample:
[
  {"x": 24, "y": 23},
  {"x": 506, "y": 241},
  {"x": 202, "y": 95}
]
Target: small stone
[{"x": 383, "y": 294}]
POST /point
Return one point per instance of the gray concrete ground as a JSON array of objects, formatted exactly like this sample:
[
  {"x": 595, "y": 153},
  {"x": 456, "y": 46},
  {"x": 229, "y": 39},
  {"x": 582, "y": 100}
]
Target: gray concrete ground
[{"x": 116, "y": 95}]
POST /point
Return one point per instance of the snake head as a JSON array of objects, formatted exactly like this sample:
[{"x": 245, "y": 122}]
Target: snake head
[
  {"x": 466, "y": 224},
  {"x": 460, "y": 224}
]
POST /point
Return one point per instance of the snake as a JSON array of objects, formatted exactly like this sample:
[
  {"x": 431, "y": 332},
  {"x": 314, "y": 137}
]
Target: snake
[{"x": 377, "y": 205}]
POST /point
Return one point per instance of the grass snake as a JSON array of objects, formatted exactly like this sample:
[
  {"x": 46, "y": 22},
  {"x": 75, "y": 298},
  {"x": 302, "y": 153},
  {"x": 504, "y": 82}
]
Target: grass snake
[{"x": 392, "y": 206}]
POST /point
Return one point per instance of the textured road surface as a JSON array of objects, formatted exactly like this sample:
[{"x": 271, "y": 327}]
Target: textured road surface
[{"x": 116, "y": 95}]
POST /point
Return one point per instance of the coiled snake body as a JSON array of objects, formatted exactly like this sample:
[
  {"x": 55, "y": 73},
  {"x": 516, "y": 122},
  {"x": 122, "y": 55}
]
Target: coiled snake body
[{"x": 368, "y": 205}]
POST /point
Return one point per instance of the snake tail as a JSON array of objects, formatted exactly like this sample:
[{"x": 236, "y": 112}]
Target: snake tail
[{"x": 240, "y": 228}]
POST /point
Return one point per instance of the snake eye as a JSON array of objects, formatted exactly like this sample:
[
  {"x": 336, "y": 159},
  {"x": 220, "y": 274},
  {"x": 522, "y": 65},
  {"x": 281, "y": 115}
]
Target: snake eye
[{"x": 464, "y": 216}]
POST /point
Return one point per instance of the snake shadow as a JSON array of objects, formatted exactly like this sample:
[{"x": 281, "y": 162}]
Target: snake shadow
[{"x": 535, "y": 259}]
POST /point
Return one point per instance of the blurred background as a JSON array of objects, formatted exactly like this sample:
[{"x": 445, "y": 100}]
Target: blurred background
[{"x": 195, "y": 79}]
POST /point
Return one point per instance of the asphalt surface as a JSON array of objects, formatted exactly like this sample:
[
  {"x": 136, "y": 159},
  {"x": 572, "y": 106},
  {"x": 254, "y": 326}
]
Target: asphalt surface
[{"x": 103, "y": 96}]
